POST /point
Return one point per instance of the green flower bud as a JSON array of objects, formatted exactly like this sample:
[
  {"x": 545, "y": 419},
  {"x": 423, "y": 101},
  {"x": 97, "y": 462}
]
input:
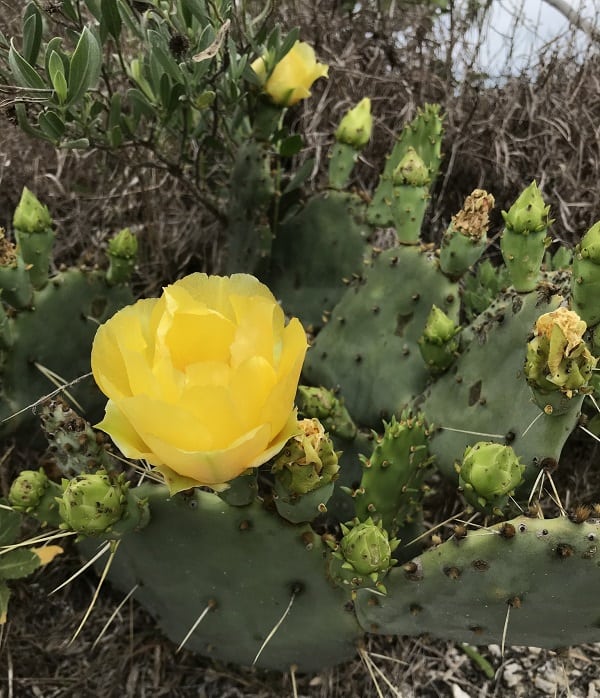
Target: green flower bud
[
  {"x": 124, "y": 244},
  {"x": 91, "y": 503},
  {"x": 411, "y": 170},
  {"x": 558, "y": 358},
  {"x": 122, "y": 250},
  {"x": 439, "y": 328},
  {"x": 28, "y": 489},
  {"x": 308, "y": 461},
  {"x": 489, "y": 474},
  {"x": 528, "y": 214},
  {"x": 438, "y": 343},
  {"x": 356, "y": 126},
  {"x": 31, "y": 216},
  {"x": 325, "y": 406},
  {"x": 364, "y": 555}
]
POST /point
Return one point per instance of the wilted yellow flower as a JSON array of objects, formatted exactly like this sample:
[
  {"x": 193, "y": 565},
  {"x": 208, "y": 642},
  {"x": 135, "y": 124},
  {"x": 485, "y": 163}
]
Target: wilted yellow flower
[
  {"x": 292, "y": 77},
  {"x": 201, "y": 381}
]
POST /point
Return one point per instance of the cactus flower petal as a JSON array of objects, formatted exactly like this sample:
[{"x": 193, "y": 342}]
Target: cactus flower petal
[{"x": 201, "y": 381}]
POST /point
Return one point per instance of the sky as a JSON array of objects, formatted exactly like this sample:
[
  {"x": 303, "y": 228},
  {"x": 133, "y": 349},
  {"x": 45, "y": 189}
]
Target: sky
[{"x": 541, "y": 24}]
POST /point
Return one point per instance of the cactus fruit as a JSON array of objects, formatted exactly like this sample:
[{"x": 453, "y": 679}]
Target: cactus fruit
[
  {"x": 439, "y": 342},
  {"x": 304, "y": 471},
  {"x": 559, "y": 364},
  {"x": 363, "y": 556},
  {"x": 351, "y": 137},
  {"x": 466, "y": 238},
  {"x": 488, "y": 475},
  {"x": 524, "y": 239},
  {"x": 410, "y": 196}
]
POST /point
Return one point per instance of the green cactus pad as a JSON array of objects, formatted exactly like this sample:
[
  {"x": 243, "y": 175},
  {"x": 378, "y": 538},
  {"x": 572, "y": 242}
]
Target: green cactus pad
[
  {"x": 314, "y": 251},
  {"x": 485, "y": 393},
  {"x": 369, "y": 346},
  {"x": 424, "y": 134},
  {"x": 56, "y": 333},
  {"x": 542, "y": 573},
  {"x": 246, "y": 564}
]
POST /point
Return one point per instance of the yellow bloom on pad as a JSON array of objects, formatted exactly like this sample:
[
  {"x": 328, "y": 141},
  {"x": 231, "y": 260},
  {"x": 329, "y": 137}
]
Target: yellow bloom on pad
[
  {"x": 201, "y": 381},
  {"x": 291, "y": 79}
]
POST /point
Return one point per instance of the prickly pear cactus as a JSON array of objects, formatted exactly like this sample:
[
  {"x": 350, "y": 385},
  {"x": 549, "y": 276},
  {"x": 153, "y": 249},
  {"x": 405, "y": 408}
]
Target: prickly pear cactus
[{"x": 479, "y": 371}]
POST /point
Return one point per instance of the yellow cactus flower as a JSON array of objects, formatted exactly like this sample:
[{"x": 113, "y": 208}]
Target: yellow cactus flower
[
  {"x": 291, "y": 79},
  {"x": 201, "y": 381}
]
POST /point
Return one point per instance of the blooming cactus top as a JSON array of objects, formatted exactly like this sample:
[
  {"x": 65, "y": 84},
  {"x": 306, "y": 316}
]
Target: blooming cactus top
[{"x": 201, "y": 381}]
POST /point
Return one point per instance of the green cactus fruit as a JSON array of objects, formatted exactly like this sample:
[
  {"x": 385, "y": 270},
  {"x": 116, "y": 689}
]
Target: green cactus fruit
[
  {"x": 410, "y": 196},
  {"x": 351, "y": 137},
  {"x": 363, "y": 556},
  {"x": 33, "y": 232},
  {"x": 31, "y": 216},
  {"x": 466, "y": 238},
  {"x": 524, "y": 239},
  {"x": 585, "y": 284},
  {"x": 328, "y": 409},
  {"x": 122, "y": 252},
  {"x": 559, "y": 364},
  {"x": 391, "y": 487},
  {"x": 75, "y": 447},
  {"x": 489, "y": 474},
  {"x": 304, "y": 471},
  {"x": 28, "y": 489},
  {"x": 439, "y": 342},
  {"x": 357, "y": 125},
  {"x": 91, "y": 503},
  {"x": 33, "y": 493}
]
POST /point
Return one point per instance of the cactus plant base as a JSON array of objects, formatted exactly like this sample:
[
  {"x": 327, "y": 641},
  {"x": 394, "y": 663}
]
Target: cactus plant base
[
  {"x": 240, "y": 585},
  {"x": 245, "y": 564}
]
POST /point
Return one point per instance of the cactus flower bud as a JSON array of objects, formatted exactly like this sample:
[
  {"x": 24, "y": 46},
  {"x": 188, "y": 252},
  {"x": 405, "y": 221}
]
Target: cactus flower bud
[
  {"x": 489, "y": 474},
  {"x": 122, "y": 251},
  {"x": 308, "y": 461},
  {"x": 364, "y": 554},
  {"x": 529, "y": 213},
  {"x": 356, "y": 126},
  {"x": 524, "y": 238},
  {"x": 31, "y": 216},
  {"x": 124, "y": 244},
  {"x": 411, "y": 170},
  {"x": 91, "y": 503},
  {"x": 291, "y": 78},
  {"x": 439, "y": 343},
  {"x": 330, "y": 410},
  {"x": 28, "y": 489},
  {"x": 558, "y": 359}
]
